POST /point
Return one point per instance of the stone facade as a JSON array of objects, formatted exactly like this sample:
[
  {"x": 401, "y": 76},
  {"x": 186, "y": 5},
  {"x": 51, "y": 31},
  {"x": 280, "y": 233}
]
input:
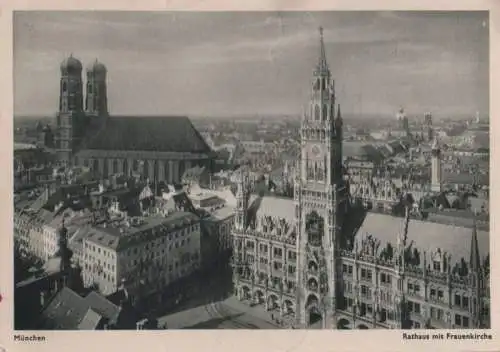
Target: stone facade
[{"x": 295, "y": 257}]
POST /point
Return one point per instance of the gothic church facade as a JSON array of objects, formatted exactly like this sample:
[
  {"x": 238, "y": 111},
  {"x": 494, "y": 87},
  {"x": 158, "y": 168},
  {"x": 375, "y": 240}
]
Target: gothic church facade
[{"x": 157, "y": 147}]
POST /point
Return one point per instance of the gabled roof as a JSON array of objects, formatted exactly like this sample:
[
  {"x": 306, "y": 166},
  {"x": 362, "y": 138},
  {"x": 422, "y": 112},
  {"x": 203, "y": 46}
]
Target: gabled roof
[
  {"x": 148, "y": 133},
  {"x": 427, "y": 236},
  {"x": 90, "y": 321},
  {"x": 65, "y": 312},
  {"x": 272, "y": 206},
  {"x": 102, "y": 306},
  {"x": 69, "y": 311}
]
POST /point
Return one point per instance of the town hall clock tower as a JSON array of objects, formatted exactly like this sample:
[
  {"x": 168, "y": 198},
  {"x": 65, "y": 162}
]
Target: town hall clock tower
[{"x": 320, "y": 201}]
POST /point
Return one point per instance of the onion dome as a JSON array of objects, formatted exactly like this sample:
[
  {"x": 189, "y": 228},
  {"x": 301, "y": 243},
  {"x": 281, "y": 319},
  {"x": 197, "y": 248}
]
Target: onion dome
[
  {"x": 71, "y": 65},
  {"x": 97, "y": 67}
]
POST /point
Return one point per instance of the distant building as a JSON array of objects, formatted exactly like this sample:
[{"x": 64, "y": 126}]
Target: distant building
[
  {"x": 436, "y": 179},
  {"x": 161, "y": 148},
  {"x": 429, "y": 131}
]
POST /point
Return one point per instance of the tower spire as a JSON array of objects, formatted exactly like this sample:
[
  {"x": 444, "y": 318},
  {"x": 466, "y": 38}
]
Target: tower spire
[
  {"x": 475, "y": 261},
  {"x": 322, "y": 64}
]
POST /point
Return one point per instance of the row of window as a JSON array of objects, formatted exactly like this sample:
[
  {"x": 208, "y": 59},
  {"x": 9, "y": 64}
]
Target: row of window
[
  {"x": 107, "y": 266},
  {"x": 135, "y": 262},
  {"x": 382, "y": 193},
  {"x": 277, "y": 251},
  {"x": 461, "y": 321},
  {"x": 134, "y": 165},
  {"x": 366, "y": 309},
  {"x": 367, "y": 274},
  {"x": 275, "y": 281},
  {"x": 99, "y": 271},
  {"x": 277, "y": 266},
  {"x": 99, "y": 250},
  {"x": 162, "y": 241}
]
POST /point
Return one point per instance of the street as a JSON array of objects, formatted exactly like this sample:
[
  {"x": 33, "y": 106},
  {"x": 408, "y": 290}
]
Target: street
[
  {"x": 225, "y": 314},
  {"x": 213, "y": 306}
]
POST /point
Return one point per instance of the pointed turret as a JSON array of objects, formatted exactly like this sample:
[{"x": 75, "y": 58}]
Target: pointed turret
[
  {"x": 322, "y": 63},
  {"x": 338, "y": 120},
  {"x": 242, "y": 198},
  {"x": 475, "y": 259},
  {"x": 436, "y": 177}
]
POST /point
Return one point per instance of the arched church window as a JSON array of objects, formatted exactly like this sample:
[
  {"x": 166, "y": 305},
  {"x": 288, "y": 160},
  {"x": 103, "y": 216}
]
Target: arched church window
[
  {"x": 316, "y": 112},
  {"x": 64, "y": 87},
  {"x": 323, "y": 84},
  {"x": 325, "y": 112}
]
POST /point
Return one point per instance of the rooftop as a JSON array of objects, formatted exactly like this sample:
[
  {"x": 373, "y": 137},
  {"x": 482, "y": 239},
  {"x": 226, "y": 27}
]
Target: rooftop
[
  {"x": 120, "y": 235},
  {"x": 427, "y": 236},
  {"x": 149, "y": 133},
  {"x": 69, "y": 311}
]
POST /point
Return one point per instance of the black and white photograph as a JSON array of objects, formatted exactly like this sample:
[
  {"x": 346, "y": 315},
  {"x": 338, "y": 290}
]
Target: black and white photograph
[{"x": 251, "y": 170}]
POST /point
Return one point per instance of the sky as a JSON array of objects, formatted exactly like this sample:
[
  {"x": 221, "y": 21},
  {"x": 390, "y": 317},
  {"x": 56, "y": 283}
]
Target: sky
[{"x": 258, "y": 63}]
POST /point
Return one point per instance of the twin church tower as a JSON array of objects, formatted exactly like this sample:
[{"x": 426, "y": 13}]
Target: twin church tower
[{"x": 76, "y": 112}]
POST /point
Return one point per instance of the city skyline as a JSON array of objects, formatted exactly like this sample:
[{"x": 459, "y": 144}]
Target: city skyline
[{"x": 258, "y": 63}]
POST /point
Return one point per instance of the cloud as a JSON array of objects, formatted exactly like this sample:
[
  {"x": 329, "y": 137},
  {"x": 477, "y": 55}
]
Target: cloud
[{"x": 255, "y": 61}]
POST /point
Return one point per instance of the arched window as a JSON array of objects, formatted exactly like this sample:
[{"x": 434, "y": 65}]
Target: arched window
[
  {"x": 325, "y": 112},
  {"x": 316, "y": 112}
]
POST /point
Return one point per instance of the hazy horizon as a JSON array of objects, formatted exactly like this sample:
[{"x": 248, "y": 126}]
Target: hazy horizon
[{"x": 258, "y": 64}]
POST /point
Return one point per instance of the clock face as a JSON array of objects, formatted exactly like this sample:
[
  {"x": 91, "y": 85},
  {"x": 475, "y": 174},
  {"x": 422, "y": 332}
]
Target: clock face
[{"x": 316, "y": 150}]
